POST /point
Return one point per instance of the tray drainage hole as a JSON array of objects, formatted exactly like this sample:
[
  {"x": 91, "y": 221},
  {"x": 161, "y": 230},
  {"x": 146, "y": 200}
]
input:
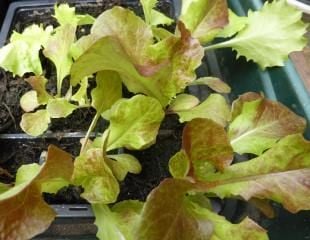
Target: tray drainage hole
[{"x": 78, "y": 208}]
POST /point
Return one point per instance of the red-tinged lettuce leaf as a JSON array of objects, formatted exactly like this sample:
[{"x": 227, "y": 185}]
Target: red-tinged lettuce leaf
[
  {"x": 281, "y": 174},
  {"x": 214, "y": 107},
  {"x": 107, "y": 91},
  {"x": 214, "y": 83},
  {"x": 95, "y": 176},
  {"x": 66, "y": 15},
  {"x": 108, "y": 54},
  {"x": 117, "y": 223},
  {"x": 23, "y": 212},
  {"x": 60, "y": 108},
  {"x": 264, "y": 206},
  {"x": 134, "y": 123},
  {"x": 130, "y": 30},
  {"x": 168, "y": 214},
  {"x": 206, "y": 144},
  {"x": 126, "y": 45},
  {"x": 183, "y": 102},
  {"x": 278, "y": 36},
  {"x": 258, "y": 123},
  {"x": 21, "y": 55},
  {"x": 38, "y": 83},
  {"x": 35, "y": 123},
  {"x": 58, "y": 51},
  {"x": 204, "y": 18},
  {"x": 29, "y": 101}
]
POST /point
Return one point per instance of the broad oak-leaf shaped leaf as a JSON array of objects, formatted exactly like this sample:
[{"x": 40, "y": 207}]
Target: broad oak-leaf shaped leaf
[
  {"x": 168, "y": 214},
  {"x": 23, "y": 212},
  {"x": 206, "y": 143},
  {"x": 280, "y": 174},
  {"x": 204, "y": 18},
  {"x": 258, "y": 123}
]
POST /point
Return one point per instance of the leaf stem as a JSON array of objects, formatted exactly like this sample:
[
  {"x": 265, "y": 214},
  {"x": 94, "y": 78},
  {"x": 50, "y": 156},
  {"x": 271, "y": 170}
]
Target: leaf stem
[
  {"x": 90, "y": 129},
  {"x": 58, "y": 85},
  {"x": 218, "y": 45}
]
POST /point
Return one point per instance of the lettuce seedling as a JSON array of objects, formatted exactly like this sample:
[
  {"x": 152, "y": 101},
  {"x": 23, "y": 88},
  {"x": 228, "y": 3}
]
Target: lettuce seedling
[
  {"x": 180, "y": 208},
  {"x": 21, "y": 56}
]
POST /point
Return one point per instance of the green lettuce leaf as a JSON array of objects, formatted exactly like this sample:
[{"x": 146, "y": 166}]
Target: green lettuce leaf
[
  {"x": 179, "y": 164},
  {"x": 236, "y": 24},
  {"x": 81, "y": 95},
  {"x": 224, "y": 230},
  {"x": 58, "y": 51},
  {"x": 204, "y": 18},
  {"x": 131, "y": 129},
  {"x": 280, "y": 174},
  {"x": 168, "y": 214},
  {"x": 130, "y": 30},
  {"x": 107, "y": 224},
  {"x": 29, "y": 101},
  {"x": 183, "y": 102},
  {"x": 128, "y": 213},
  {"x": 66, "y": 15},
  {"x": 95, "y": 176},
  {"x": 258, "y": 123},
  {"x": 153, "y": 17},
  {"x": 121, "y": 164},
  {"x": 81, "y": 45},
  {"x": 214, "y": 83},
  {"x": 117, "y": 223},
  {"x": 107, "y": 91},
  {"x": 35, "y": 123},
  {"x": 206, "y": 143},
  {"x": 23, "y": 211},
  {"x": 270, "y": 35},
  {"x": 38, "y": 83},
  {"x": 214, "y": 108},
  {"x": 21, "y": 55},
  {"x": 59, "y": 108}
]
